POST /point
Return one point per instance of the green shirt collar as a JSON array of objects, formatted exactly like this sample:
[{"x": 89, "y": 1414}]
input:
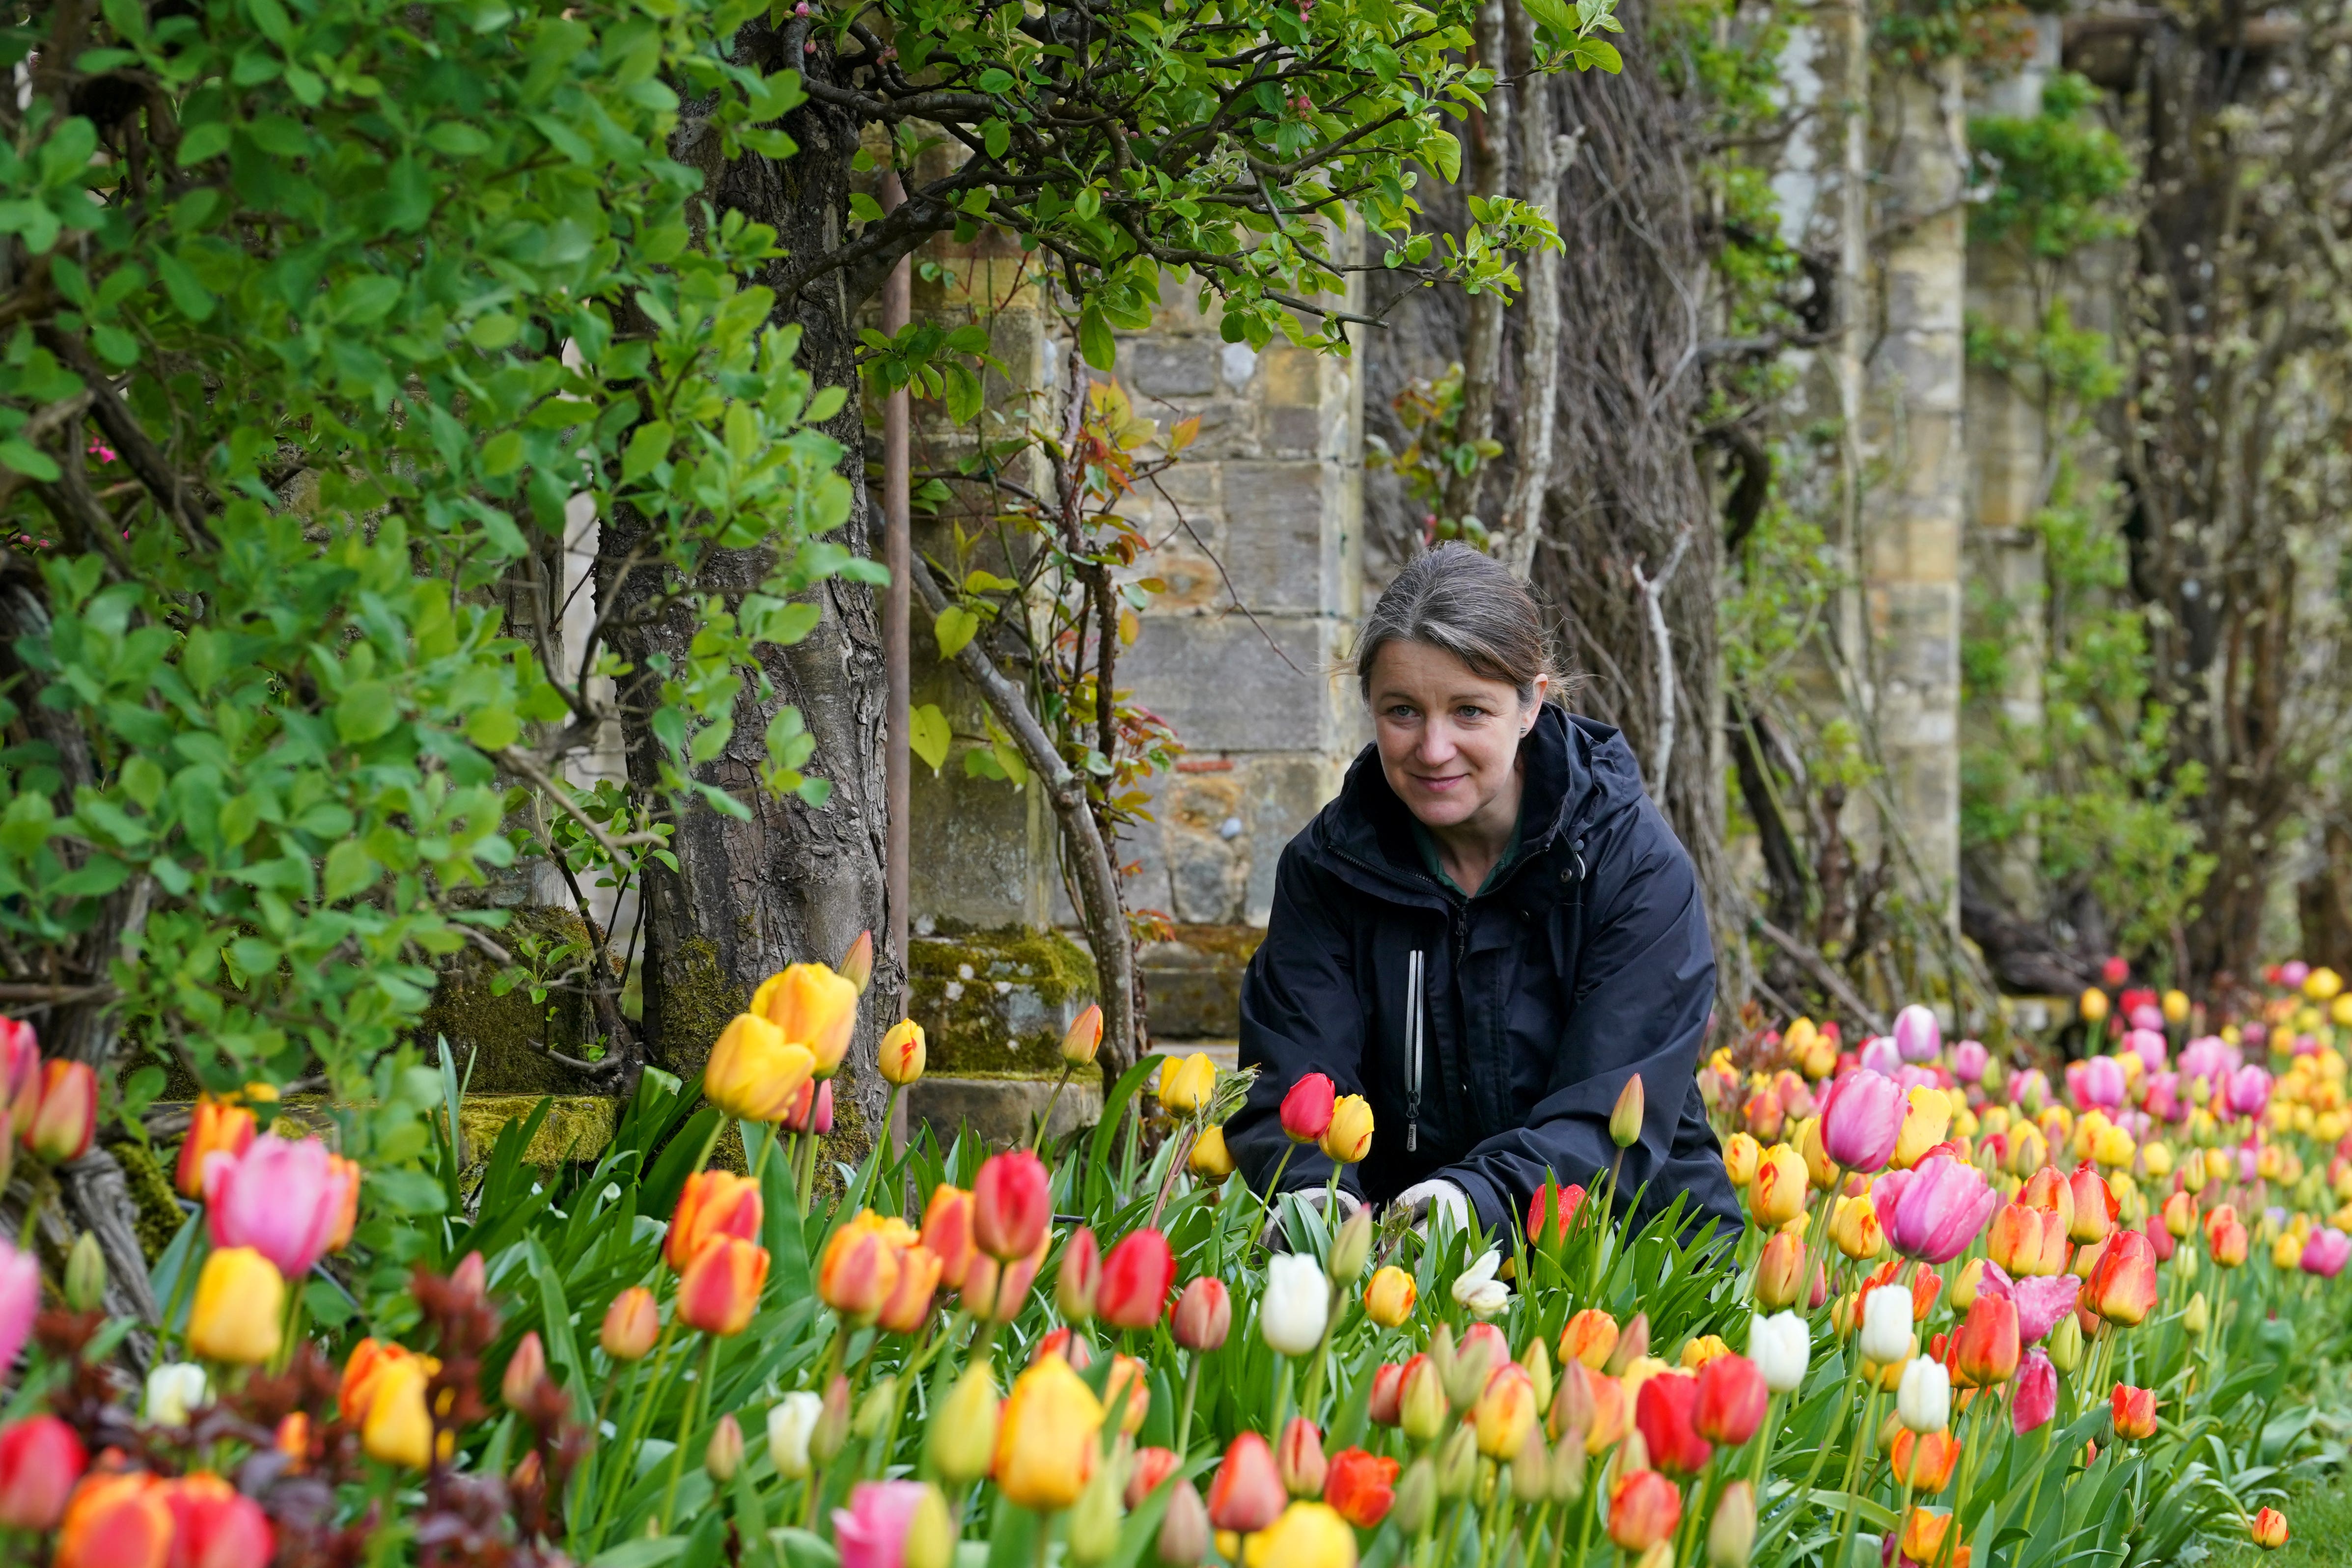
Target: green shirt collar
[{"x": 1426, "y": 842}]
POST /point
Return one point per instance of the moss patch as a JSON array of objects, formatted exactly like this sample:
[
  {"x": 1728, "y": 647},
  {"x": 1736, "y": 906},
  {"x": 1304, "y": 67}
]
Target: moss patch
[
  {"x": 995, "y": 1003},
  {"x": 578, "y": 1126},
  {"x": 697, "y": 1001},
  {"x": 159, "y": 1216},
  {"x": 498, "y": 1037}
]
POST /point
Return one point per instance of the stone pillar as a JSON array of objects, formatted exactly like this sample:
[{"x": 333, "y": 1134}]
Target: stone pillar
[{"x": 1915, "y": 499}]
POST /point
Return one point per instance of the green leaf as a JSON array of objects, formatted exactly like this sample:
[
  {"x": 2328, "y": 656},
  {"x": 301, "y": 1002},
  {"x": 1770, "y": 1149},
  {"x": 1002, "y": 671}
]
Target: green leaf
[
  {"x": 955, "y": 627},
  {"x": 928, "y": 735},
  {"x": 996, "y": 136},
  {"x": 647, "y": 1554},
  {"x": 1095, "y": 339},
  {"x": 1445, "y": 156},
  {"x": 647, "y": 448},
  {"x": 349, "y": 869},
  {"x": 30, "y": 461},
  {"x": 366, "y": 712},
  {"x": 863, "y": 209}
]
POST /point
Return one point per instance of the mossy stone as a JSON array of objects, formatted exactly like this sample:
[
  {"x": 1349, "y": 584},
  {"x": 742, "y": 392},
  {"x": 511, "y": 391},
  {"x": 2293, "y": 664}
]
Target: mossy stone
[
  {"x": 995, "y": 1003},
  {"x": 697, "y": 1001},
  {"x": 494, "y": 1040},
  {"x": 577, "y": 1127},
  {"x": 159, "y": 1215}
]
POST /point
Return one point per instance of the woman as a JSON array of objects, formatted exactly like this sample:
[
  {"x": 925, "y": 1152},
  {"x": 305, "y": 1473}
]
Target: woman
[{"x": 1486, "y": 934}]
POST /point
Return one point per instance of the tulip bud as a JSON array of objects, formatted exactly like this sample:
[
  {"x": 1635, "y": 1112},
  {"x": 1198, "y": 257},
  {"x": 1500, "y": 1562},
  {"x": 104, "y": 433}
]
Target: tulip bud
[
  {"x": 1246, "y": 1494},
  {"x": 631, "y": 1324},
  {"x": 1300, "y": 1461},
  {"x": 525, "y": 1369},
  {"x": 724, "y": 1453},
  {"x": 1093, "y": 1534},
  {"x": 65, "y": 1119},
  {"x": 2066, "y": 1343},
  {"x": 1467, "y": 1370},
  {"x": 1010, "y": 1205},
  {"x": 1779, "y": 1272},
  {"x": 1537, "y": 1361},
  {"x": 2196, "y": 1316},
  {"x": 930, "y": 1533},
  {"x": 2268, "y": 1529},
  {"x": 1625, "y": 1118},
  {"x": 831, "y": 1432},
  {"x": 1351, "y": 1249},
  {"x": 1457, "y": 1463},
  {"x": 1210, "y": 1160},
  {"x": 1080, "y": 1277},
  {"x": 1416, "y": 1496},
  {"x": 858, "y": 964},
  {"x": 1205, "y": 1314},
  {"x": 84, "y": 1274},
  {"x": 1349, "y": 1137},
  {"x": 873, "y": 1410},
  {"x": 41, "y": 1458},
  {"x": 1732, "y": 1538},
  {"x": 1083, "y": 1038},
  {"x": 962, "y": 1435},
  {"x": 1531, "y": 1470},
  {"x": 904, "y": 1054},
  {"x": 1183, "y": 1538},
  {"x": 1391, "y": 1297},
  {"x": 174, "y": 1388},
  {"x": 1567, "y": 1468},
  {"x": 1632, "y": 1344},
  {"x": 789, "y": 1424}
]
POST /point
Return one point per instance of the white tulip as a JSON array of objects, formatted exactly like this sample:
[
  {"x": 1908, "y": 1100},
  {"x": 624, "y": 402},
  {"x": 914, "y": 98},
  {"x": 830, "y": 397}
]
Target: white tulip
[
  {"x": 1886, "y": 1324},
  {"x": 1924, "y": 1400},
  {"x": 1477, "y": 1288},
  {"x": 174, "y": 1388},
  {"x": 1296, "y": 1304},
  {"x": 1781, "y": 1346},
  {"x": 789, "y": 1425}
]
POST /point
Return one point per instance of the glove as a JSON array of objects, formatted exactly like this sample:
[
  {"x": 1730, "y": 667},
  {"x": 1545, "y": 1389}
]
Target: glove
[
  {"x": 1424, "y": 1198},
  {"x": 1277, "y": 1240}
]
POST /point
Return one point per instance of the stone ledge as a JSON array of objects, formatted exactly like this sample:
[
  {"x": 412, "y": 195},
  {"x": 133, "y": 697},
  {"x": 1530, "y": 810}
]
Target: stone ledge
[{"x": 999, "y": 1110}]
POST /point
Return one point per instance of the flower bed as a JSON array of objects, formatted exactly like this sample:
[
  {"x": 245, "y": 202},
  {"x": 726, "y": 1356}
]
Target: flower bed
[{"x": 1975, "y": 1316}]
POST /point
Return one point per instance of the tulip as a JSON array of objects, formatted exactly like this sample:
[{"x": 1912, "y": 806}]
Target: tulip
[
  {"x": 2326, "y": 1253},
  {"x": 871, "y": 1532},
  {"x": 1477, "y": 1288},
  {"x": 1625, "y": 1116},
  {"x": 1924, "y": 1399},
  {"x": 1664, "y": 1411},
  {"x": 631, "y": 1325},
  {"x": 1307, "y": 1535},
  {"x": 2035, "y": 1398},
  {"x": 1632, "y": 1344},
  {"x": 1083, "y": 1038},
  {"x": 174, "y": 1389},
  {"x": 790, "y": 1421},
  {"x": 1298, "y": 1459},
  {"x": 1781, "y": 1346},
  {"x": 1295, "y": 1306},
  {"x": 1246, "y": 1494},
  {"x": 859, "y": 1270},
  {"x": 1862, "y": 1120},
  {"x": 947, "y": 1232},
  {"x": 1079, "y": 1279},
  {"x": 65, "y": 1118},
  {"x": 723, "y": 1454},
  {"x": 281, "y": 1198},
  {"x": 1934, "y": 1210},
  {"x": 1457, "y": 1463},
  {"x": 962, "y": 1440},
  {"x": 1924, "y": 1533},
  {"x": 1361, "y": 1487},
  {"x": 1886, "y": 1322},
  {"x": 1740, "y": 1152},
  {"x": 2095, "y": 1205},
  {"x": 1204, "y": 1314},
  {"x": 1046, "y": 1443},
  {"x": 1925, "y": 1461},
  {"x": 1136, "y": 1276},
  {"x": 1855, "y": 1229},
  {"x": 1423, "y": 1407},
  {"x": 1126, "y": 1394},
  {"x": 1777, "y": 1196},
  {"x": 1307, "y": 1110},
  {"x": 20, "y": 1079},
  {"x": 526, "y": 1370},
  {"x": 343, "y": 1175},
  {"x": 1590, "y": 1337},
  {"x": 1506, "y": 1412},
  {"x": 1091, "y": 1538},
  {"x": 721, "y": 1288},
  {"x": 1186, "y": 1086},
  {"x": 812, "y": 1007},
  {"x": 1349, "y": 1137},
  {"x": 2134, "y": 1411},
  {"x": 2250, "y": 1091},
  {"x": 1390, "y": 1299},
  {"x": 712, "y": 1203},
  {"x": 2093, "y": 1006},
  {"x": 1546, "y": 1215},
  {"x": 2027, "y": 1242},
  {"x": 1731, "y": 1534},
  {"x": 370, "y": 1359},
  {"x": 2225, "y": 1237},
  {"x": 1384, "y": 1406},
  {"x": 1927, "y": 1117},
  {"x": 1986, "y": 1347},
  {"x": 116, "y": 1520},
  {"x": 214, "y": 1126},
  {"x": 397, "y": 1428},
  {"x": 240, "y": 1302},
  {"x": 2123, "y": 1287},
  {"x": 41, "y": 1458},
  {"x": 1183, "y": 1538},
  {"x": 1209, "y": 1159},
  {"x": 1731, "y": 1399},
  {"x": 2066, "y": 1343},
  {"x": 754, "y": 1072},
  {"x": 2268, "y": 1528},
  {"x": 1644, "y": 1508},
  {"x": 1010, "y": 1205},
  {"x": 910, "y": 1303}
]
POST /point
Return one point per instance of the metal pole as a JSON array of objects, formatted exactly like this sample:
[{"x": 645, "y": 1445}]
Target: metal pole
[{"x": 898, "y": 554}]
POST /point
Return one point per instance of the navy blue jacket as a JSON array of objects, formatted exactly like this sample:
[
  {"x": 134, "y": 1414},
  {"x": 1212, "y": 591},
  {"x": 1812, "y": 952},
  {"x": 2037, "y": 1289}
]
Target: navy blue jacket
[{"x": 1585, "y": 962}]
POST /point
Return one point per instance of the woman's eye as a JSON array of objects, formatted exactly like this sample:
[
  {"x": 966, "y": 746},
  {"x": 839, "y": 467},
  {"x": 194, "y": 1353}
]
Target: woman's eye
[
  {"x": 1469, "y": 714},
  {"x": 1402, "y": 715}
]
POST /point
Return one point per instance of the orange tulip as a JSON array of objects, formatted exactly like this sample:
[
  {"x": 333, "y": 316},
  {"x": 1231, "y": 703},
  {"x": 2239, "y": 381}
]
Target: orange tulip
[
  {"x": 2225, "y": 1239},
  {"x": 720, "y": 1288},
  {"x": 2268, "y": 1528},
  {"x": 631, "y": 1325},
  {"x": 2028, "y": 1242},
  {"x": 2047, "y": 1188},
  {"x": 397, "y": 1426},
  {"x": 1590, "y": 1337},
  {"x": 1644, "y": 1508},
  {"x": 910, "y": 1299},
  {"x": 1923, "y": 1537},
  {"x": 1927, "y": 1463},
  {"x": 858, "y": 1271},
  {"x": 947, "y": 1231},
  {"x": 814, "y": 1008},
  {"x": 1779, "y": 1272},
  {"x": 1612, "y": 1412},
  {"x": 1126, "y": 1393},
  {"x": 712, "y": 1203},
  {"x": 1390, "y": 1299},
  {"x": 2095, "y": 1205},
  {"x": 1045, "y": 1442},
  {"x": 2123, "y": 1287},
  {"x": 754, "y": 1072},
  {"x": 2134, "y": 1410},
  {"x": 2181, "y": 1215},
  {"x": 213, "y": 1124},
  {"x": 367, "y": 1363},
  {"x": 1985, "y": 1350},
  {"x": 345, "y": 1174},
  {"x": 116, "y": 1520}
]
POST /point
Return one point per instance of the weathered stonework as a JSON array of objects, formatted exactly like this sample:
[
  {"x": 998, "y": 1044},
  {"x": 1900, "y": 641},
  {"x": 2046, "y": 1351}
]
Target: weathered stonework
[{"x": 996, "y": 1004}]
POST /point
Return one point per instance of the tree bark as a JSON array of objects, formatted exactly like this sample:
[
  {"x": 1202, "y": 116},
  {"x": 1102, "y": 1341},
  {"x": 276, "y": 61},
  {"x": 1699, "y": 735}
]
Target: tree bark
[
  {"x": 1481, "y": 349},
  {"x": 1543, "y": 152}
]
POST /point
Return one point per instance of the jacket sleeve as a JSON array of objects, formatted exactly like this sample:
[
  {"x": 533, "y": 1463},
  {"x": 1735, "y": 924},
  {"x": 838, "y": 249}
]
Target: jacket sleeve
[
  {"x": 1300, "y": 1014},
  {"x": 1643, "y": 988}
]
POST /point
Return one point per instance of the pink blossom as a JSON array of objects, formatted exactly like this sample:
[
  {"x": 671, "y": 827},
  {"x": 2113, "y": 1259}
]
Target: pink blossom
[
  {"x": 2163, "y": 1102},
  {"x": 20, "y": 1297},
  {"x": 2250, "y": 1090},
  {"x": 2030, "y": 1089},
  {"x": 2036, "y": 1399},
  {"x": 872, "y": 1530},
  {"x": 281, "y": 1198},
  {"x": 2149, "y": 1045},
  {"x": 1880, "y": 1054},
  {"x": 2326, "y": 1252},
  {"x": 1861, "y": 1116},
  {"x": 2097, "y": 1081},
  {"x": 1934, "y": 1209},
  {"x": 1917, "y": 1036},
  {"x": 2040, "y": 1302},
  {"x": 1970, "y": 1058},
  {"x": 2148, "y": 1017},
  {"x": 2293, "y": 973}
]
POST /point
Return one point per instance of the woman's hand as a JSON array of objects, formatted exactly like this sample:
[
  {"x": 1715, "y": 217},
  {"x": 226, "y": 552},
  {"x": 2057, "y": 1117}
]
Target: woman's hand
[{"x": 1423, "y": 1198}]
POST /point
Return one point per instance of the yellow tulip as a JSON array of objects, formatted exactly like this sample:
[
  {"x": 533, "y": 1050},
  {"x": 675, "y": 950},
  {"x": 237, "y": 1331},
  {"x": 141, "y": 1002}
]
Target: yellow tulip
[
  {"x": 905, "y": 1053},
  {"x": 1186, "y": 1084},
  {"x": 815, "y": 1009},
  {"x": 1046, "y": 1447},
  {"x": 1924, "y": 1125},
  {"x": 2113, "y": 1148},
  {"x": 398, "y": 1429},
  {"x": 1740, "y": 1152},
  {"x": 1855, "y": 1226},
  {"x": 2156, "y": 1158},
  {"x": 1307, "y": 1535},
  {"x": 2323, "y": 984},
  {"x": 240, "y": 1308},
  {"x": 1348, "y": 1138},
  {"x": 1389, "y": 1300},
  {"x": 754, "y": 1072},
  {"x": 1210, "y": 1160},
  {"x": 1777, "y": 1194}
]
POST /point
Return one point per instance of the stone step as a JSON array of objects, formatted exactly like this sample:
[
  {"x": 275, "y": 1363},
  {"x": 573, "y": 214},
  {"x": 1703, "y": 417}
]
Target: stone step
[
  {"x": 1000, "y": 1110},
  {"x": 1193, "y": 980}
]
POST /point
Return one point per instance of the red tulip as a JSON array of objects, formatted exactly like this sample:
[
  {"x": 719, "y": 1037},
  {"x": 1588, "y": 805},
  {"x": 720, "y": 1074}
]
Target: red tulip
[
  {"x": 116, "y": 1520},
  {"x": 20, "y": 1077},
  {"x": 526, "y": 1370},
  {"x": 1361, "y": 1487},
  {"x": 947, "y": 1231},
  {"x": 1204, "y": 1314},
  {"x": 1731, "y": 1399},
  {"x": 1307, "y": 1110},
  {"x": 1246, "y": 1494},
  {"x": 1986, "y": 1348},
  {"x": 2035, "y": 1399},
  {"x": 2095, "y": 1204},
  {"x": 1063, "y": 1342},
  {"x": 1136, "y": 1276},
  {"x": 1572, "y": 1198},
  {"x": 1080, "y": 1277},
  {"x": 1664, "y": 1411},
  {"x": 216, "y": 1526},
  {"x": 66, "y": 1118},
  {"x": 40, "y": 1460},
  {"x": 2134, "y": 1411},
  {"x": 721, "y": 1288},
  {"x": 1152, "y": 1466},
  {"x": 1645, "y": 1507},
  {"x": 1388, "y": 1391},
  {"x": 2122, "y": 1286},
  {"x": 1010, "y": 1205},
  {"x": 712, "y": 1203}
]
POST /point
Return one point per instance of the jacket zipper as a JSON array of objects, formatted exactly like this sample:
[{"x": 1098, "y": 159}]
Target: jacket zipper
[{"x": 1412, "y": 1052}]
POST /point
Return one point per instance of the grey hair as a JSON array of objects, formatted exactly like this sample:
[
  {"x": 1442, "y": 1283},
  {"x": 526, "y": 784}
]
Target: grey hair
[{"x": 1469, "y": 604}]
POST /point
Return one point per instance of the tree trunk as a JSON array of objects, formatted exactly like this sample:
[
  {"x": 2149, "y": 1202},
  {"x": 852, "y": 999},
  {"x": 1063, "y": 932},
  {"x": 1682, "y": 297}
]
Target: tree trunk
[
  {"x": 1482, "y": 349},
  {"x": 792, "y": 882}
]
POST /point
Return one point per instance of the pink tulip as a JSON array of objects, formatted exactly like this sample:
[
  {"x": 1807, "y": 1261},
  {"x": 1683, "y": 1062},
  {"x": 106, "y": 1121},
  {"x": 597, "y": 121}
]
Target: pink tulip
[
  {"x": 1970, "y": 1058},
  {"x": 2030, "y": 1089},
  {"x": 1861, "y": 1116},
  {"x": 281, "y": 1198},
  {"x": 2036, "y": 1397},
  {"x": 2326, "y": 1252},
  {"x": 20, "y": 1297},
  {"x": 2148, "y": 1019},
  {"x": 2293, "y": 973},
  {"x": 815, "y": 1098},
  {"x": 2095, "y": 1082},
  {"x": 1934, "y": 1209},
  {"x": 2250, "y": 1090},
  {"x": 1880, "y": 1054},
  {"x": 1917, "y": 1036},
  {"x": 872, "y": 1530},
  {"x": 2205, "y": 1056},
  {"x": 2163, "y": 1102},
  {"x": 20, "y": 1077}
]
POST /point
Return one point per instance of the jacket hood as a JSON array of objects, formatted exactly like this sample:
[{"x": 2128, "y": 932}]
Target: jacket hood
[{"x": 1579, "y": 773}]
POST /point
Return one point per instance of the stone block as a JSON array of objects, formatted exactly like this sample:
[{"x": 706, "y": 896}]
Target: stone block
[
  {"x": 1193, "y": 981},
  {"x": 997, "y": 1002},
  {"x": 1284, "y": 530},
  {"x": 1169, "y": 367},
  {"x": 1000, "y": 1112},
  {"x": 1221, "y": 686}
]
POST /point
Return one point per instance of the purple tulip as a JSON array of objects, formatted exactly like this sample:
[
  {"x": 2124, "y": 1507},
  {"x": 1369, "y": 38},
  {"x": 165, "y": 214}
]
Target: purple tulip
[
  {"x": 872, "y": 1530},
  {"x": 20, "y": 1297},
  {"x": 1917, "y": 1036},
  {"x": 2293, "y": 973},
  {"x": 2036, "y": 1399},
  {"x": 1934, "y": 1209},
  {"x": 1970, "y": 1058},
  {"x": 2250, "y": 1090},
  {"x": 2326, "y": 1252},
  {"x": 1880, "y": 1054},
  {"x": 1861, "y": 1116}
]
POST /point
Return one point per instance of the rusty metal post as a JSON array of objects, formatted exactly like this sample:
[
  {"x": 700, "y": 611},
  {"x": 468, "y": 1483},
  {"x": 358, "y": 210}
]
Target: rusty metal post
[{"x": 898, "y": 554}]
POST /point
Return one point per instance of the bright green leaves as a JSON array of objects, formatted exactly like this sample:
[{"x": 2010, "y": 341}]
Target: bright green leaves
[
  {"x": 928, "y": 735},
  {"x": 955, "y": 627}
]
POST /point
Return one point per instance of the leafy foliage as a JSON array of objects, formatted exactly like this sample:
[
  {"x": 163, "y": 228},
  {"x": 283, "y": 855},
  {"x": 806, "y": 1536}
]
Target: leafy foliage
[{"x": 2055, "y": 175}]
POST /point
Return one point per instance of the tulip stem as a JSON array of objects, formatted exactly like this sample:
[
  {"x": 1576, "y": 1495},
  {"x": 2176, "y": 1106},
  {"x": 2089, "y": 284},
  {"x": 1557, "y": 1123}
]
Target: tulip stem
[
  {"x": 1272, "y": 1186},
  {"x": 1168, "y": 1181},
  {"x": 1184, "y": 1409},
  {"x": 644, "y": 1396},
  {"x": 1037, "y": 1135},
  {"x": 807, "y": 1183},
  {"x": 686, "y": 1419}
]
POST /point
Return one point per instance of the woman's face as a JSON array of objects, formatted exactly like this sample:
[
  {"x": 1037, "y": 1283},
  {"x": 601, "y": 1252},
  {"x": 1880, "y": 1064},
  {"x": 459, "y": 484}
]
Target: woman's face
[{"x": 1449, "y": 736}]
